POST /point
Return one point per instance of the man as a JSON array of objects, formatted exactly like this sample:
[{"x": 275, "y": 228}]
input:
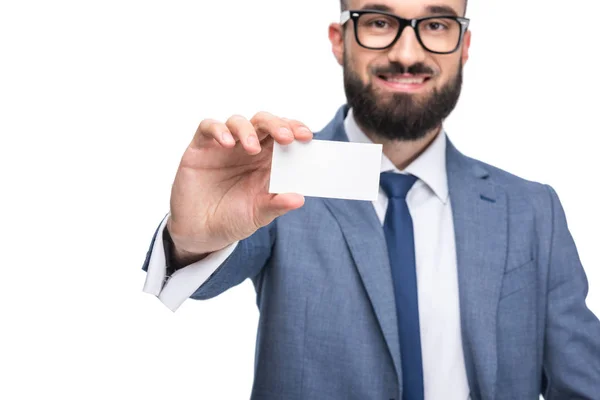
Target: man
[{"x": 460, "y": 281}]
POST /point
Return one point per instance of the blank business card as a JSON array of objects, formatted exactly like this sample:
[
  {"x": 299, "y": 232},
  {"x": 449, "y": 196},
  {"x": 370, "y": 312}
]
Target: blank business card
[{"x": 321, "y": 168}]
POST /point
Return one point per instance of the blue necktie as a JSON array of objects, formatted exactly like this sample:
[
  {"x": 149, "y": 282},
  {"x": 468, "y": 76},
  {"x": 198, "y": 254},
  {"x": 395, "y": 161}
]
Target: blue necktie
[{"x": 398, "y": 229}]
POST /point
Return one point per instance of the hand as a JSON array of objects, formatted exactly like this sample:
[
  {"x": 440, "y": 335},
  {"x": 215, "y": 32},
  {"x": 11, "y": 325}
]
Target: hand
[{"x": 220, "y": 193}]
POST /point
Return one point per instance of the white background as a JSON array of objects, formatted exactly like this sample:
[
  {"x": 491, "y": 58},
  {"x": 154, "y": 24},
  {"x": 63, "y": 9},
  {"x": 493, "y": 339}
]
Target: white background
[{"x": 98, "y": 100}]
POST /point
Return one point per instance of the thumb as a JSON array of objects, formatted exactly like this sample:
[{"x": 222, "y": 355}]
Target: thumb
[{"x": 277, "y": 205}]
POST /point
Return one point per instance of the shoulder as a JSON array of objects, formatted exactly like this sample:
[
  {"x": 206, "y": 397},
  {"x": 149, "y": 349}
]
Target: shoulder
[{"x": 541, "y": 196}]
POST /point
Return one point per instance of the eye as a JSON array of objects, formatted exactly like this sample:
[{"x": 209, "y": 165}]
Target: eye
[
  {"x": 379, "y": 23},
  {"x": 435, "y": 26}
]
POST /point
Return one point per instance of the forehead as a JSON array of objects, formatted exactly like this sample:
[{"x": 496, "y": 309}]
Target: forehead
[{"x": 411, "y": 8}]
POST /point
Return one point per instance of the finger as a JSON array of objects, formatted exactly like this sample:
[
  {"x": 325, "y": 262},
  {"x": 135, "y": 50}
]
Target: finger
[
  {"x": 269, "y": 125},
  {"x": 242, "y": 130},
  {"x": 286, "y": 202},
  {"x": 210, "y": 130},
  {"x": 301, "y": 131},
  {"x": 277, "y": 205}
]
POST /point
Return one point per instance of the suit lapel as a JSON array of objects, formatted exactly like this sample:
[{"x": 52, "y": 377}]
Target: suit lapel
[
  {"x": 363, "y": 233},
  {"x": 479, "y": 211},
  {"x": 366, "y": 241}
]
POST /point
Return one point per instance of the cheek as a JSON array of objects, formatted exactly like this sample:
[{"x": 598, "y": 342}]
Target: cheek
[
  {"x": 446, "y": 70},
  {"x": 359, "y": 70},
  {"x": 361, "y": 61}
]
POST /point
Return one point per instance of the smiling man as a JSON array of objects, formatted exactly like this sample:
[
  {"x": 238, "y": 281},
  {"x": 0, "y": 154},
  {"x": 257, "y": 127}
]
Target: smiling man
[{"x": 460, "y": 281}]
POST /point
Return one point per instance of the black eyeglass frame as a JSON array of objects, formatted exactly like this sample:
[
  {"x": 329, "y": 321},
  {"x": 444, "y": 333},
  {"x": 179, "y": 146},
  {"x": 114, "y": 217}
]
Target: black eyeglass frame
[{"x": 354, "y": 15}]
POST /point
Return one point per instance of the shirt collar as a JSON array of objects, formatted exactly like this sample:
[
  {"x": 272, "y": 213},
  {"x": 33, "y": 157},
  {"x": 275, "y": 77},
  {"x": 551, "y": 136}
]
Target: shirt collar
[{"x": 430, "y": 166}]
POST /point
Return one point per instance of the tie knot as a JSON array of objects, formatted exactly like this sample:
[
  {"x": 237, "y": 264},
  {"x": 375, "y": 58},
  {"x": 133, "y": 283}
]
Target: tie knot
[{"x": 396, "y": 185}]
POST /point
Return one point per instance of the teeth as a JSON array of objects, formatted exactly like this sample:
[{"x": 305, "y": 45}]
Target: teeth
[{"x": 408, "y": 81}]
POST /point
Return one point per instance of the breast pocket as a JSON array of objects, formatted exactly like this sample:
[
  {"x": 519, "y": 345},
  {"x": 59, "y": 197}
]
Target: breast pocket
[{"x": 519, "y": 278}]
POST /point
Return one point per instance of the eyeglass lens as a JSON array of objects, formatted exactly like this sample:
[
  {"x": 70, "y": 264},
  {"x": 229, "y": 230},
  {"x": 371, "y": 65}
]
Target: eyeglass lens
[{"x": 437, "y": 34}]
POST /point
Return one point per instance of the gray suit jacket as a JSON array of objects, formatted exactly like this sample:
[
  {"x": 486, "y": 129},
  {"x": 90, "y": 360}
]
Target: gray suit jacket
[{"x": 327, "y": 327}]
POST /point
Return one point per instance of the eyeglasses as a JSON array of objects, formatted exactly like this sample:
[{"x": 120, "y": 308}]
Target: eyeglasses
[{"x": 378, "y": 30}]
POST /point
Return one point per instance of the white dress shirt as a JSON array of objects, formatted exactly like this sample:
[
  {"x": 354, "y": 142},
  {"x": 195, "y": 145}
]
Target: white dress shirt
[{"x": 444, "y": 372}]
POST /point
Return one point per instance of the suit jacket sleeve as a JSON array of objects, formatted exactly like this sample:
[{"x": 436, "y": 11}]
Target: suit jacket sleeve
[
  {"x": 245, "y": 261},
  {"x": 572, "y": 339}
]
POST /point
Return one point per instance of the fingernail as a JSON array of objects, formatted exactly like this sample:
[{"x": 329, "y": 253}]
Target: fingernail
[
  {"x": 252, "y": 141},
  {"x": 305, "y": 130},
  {"x": 286, "y": 132},
  {"x": 227, "y": 138}
]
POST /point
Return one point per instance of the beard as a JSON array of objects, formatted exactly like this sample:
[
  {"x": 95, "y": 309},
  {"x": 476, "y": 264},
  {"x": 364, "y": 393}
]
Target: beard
[{"x": 400, "y": 116}]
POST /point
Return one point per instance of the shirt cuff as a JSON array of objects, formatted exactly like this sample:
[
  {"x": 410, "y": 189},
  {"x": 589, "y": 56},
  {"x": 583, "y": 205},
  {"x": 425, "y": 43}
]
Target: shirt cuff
[{"x": 185, "y": 281}]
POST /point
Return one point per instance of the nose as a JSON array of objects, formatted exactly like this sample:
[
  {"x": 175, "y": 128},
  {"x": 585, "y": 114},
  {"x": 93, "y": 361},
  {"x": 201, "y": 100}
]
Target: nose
[{"x": 407, "y": 49}]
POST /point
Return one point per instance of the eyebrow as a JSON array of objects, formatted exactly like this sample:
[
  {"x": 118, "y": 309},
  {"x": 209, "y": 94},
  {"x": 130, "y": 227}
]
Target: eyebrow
[
  {"x": 377, "y": 7},
  {"x": 439, "y": 10},
  {"x": 429, "y": 10}
]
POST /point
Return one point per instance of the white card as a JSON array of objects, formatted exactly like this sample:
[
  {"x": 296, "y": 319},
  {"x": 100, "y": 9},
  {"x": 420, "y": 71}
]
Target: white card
[{"x": 321, "y": 168}]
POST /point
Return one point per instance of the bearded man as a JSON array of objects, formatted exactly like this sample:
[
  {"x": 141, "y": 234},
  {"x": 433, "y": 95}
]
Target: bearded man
[{"x": 460, "y": 281}]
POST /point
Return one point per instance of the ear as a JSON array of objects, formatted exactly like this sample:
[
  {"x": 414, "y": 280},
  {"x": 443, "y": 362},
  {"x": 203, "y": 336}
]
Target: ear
[
  {"x": 336, "y": 37},
  {"x": 465, "y": 48}
]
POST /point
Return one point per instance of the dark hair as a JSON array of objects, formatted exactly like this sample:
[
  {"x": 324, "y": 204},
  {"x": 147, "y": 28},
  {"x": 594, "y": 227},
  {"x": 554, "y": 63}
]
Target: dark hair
[{"x": 344, "y": 5}]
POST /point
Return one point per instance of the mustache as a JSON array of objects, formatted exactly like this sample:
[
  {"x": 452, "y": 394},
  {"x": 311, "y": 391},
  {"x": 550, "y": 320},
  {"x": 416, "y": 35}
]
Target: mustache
[{"x": 399, "y": 68}]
